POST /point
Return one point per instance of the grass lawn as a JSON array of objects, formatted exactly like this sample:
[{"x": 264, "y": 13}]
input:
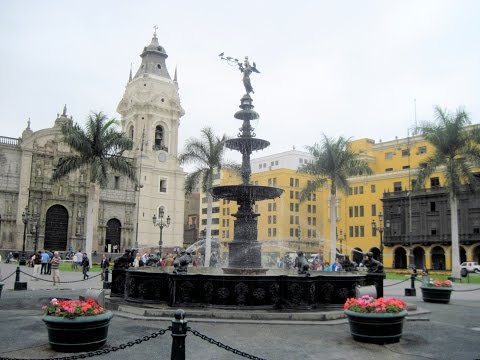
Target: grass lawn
[
  {"x": 470, "y": 279},
  {"x": 68, "y": 267}
]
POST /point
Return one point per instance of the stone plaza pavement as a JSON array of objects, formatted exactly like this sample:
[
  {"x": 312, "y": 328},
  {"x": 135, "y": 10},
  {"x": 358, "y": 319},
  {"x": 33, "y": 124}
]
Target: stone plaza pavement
[{"x": 434, "y": 331}]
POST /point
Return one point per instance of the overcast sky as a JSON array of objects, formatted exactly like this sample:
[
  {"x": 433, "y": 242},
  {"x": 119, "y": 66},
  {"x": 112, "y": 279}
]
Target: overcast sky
[{"x": 350, "y": 68}]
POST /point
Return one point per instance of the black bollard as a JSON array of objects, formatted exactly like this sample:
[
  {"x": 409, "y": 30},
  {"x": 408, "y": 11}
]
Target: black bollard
[
  {"x": 179, "y": 333},
  {"x": 18, "y": 284},
  {"x": 411, "y": 291},
  {"x": 106, "y": 284}
]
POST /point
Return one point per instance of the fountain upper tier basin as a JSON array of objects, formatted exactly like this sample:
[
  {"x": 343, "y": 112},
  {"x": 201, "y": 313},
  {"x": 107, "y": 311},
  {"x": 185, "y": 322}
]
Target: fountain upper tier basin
[
  {"x": 252, "y": 192},
  {"x": 247, "y": 144}
]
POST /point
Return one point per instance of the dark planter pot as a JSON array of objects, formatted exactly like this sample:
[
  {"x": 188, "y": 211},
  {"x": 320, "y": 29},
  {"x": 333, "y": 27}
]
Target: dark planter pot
[
  {"x": 436, "y": 294},
  {"x": 376, "y": 328},
  {"x": 79, "y": 334}
]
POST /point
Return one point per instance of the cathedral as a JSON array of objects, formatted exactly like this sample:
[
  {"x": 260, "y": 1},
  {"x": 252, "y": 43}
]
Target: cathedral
[{"x": 37, "y": 213}]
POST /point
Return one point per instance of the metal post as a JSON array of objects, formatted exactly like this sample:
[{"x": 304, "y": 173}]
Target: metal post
[
  {"x": 411, "y": 291},
  {"x": 19, "y": 285},
  {"x": 179, "y": 333},
  {"x": 106, "y": 284}
]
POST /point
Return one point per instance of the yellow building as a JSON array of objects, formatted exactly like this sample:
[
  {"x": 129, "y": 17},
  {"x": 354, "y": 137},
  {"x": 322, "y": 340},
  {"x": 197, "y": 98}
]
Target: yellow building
[{"x": 286, "y": 224}]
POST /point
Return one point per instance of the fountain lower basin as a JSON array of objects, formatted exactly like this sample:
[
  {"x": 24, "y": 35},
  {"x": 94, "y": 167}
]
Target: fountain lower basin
[{"x": 213, "y": 289}]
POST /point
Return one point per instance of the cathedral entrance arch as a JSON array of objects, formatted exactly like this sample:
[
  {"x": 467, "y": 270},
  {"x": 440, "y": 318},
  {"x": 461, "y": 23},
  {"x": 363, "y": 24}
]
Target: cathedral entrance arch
[
  {"x": 56, "y": 229},
  {"x": 419, "y": 257},
  {"x": 112, "y": 238},
  {"x": 438, "y": 258}
]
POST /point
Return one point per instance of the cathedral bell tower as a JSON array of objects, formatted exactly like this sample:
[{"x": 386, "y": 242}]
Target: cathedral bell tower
[{"x": 151, "y": 111}]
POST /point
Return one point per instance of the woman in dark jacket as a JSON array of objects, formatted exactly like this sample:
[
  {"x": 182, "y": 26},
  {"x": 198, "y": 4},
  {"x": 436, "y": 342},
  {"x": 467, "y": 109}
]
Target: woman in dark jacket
[{"x": 85, "y": 266}]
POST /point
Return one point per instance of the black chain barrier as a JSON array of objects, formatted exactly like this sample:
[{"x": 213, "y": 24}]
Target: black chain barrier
[
  {"x": 61, "y": 282},
  {"x": 102, "y": 351},
  {"x": 396, "y": 283},
  {"x": 223, "y": 346},
  {"x": 456, "y": 290},
  {"x": 8, "y": 276}
]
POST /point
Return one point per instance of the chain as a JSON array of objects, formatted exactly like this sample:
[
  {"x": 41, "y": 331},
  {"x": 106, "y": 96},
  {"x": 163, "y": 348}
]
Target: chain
[
  {"x": 397, "y": 283},
  {"x": 61, "y": 282},
  {"x": 104, "y": 351},
  {"x": 223, "y": 346},
  {"x": 8, "y": 276}
]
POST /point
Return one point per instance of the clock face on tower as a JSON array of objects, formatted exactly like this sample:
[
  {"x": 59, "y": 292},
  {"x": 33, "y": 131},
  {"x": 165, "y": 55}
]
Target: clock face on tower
[{"x": 162, "y": 156}]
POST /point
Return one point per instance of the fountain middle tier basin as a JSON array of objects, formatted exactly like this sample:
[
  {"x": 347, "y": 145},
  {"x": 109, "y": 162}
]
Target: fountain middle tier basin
[
  {"x": 252, "y": 192},
  {"x": 320, "y": 290}
]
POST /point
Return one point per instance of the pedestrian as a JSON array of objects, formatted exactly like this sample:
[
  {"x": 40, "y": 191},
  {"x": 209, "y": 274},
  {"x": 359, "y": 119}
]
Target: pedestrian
[
  {"x": 78, "y": 259},
  {"x": 45, "y": 259},
  {"x": 37, "y": 263},
  {"x": 49, "y": 263},
  {"x": 104, "y": 264},
  {"x": 55, "y": 266},
  {"x": 85, "y": 266},
  {"x": 9, "y": 258}
]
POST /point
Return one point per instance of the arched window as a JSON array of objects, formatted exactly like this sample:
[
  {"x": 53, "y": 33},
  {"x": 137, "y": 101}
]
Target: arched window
[
  {"x": 159, "y": 139},
  {"x": 130, "y": 132}
]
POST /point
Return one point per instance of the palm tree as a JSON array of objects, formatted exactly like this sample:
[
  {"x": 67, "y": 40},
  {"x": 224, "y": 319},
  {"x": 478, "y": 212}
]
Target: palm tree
[
  {"x": 98, "y": 149},
  {"x": 334, "y": 162},
  {"x": 207, "y": 154},
  {"x": 456, "y": 153}
]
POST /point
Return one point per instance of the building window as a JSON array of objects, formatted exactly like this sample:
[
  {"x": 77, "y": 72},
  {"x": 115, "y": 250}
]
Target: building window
[
  {"x": 350, "y": 211},
  {"x": 309, "y": 208},
  {"x": 291, "y": 194},
  {"x": 476, "y": 230},
  {"x": 274, "y": 231},
  {"x": 291, "y": 207},
  {"x": 373, "y": 188},
  {"x": 314, "y": 233},
  {"x": 297, "y": 195},
  {"x": 357, "y": 231},
  {"x": 291, "y": 219},
  {"x": 356, "y": 211},
  {"x": 269, "y": 232},
  {"x": 269, "y": 219},
  {"x": 291, "y": 182},
  {"x": 421, "y": 150},
  {"x": 388, "y": 169},
  {"x": 297, "y": 183},
  {"x": 433, "y": 206},
  {"x": 276, "y": 162},
  {"x": 374, "y": 210},
  {"x": 361, "y": 211},
  {"x": 309, "y": 221},
  {"x": 405, "y": 153},
  {"x": 297, "y": 220},
  {"x": 274, "y": 181},
  {"x": 389, "y": 155},
  {"x": 350, "y": 191},
  {"x": 362, "y": 231},
  {"x": 159, "y": 138},
  {"x": 269, "y": 207},
  {"x": 274, "y": 219},
  {"x": 350, "y": 231},
  {"x": 355, "y": 190},
  {"x": 406, "y": 167},
  {"x": 291, "y": 232},
  {"x": 163, "y": 185},
  {"x": 314, "y": 221},
  {"x": 116, "y": 184},
  {"x": 434, "y": 182},
  {"x": 297, "y": 207},
  {"x": 269, "y": 182},
  {"x": 433, "y": 231},
  {"x": 274, "y": 206},
  {"x": 130, "y": 132},
  {"x": 314, "y": 209},
  {"x": 397, "y": 186},
  {"x": 360, "y": 189}
]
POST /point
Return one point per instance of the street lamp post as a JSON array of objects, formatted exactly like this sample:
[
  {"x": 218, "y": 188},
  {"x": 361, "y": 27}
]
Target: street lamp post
[
  {"x": 25, "y": 219},
  {"x": 34, "y": 232},
  {"x": 298, "y": 236},
  {"x": 380, "y": 229},
  {"x": 161, "y": 224}
]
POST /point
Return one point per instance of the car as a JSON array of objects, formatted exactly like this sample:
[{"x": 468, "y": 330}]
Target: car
[{"x": 469, "y": 267}]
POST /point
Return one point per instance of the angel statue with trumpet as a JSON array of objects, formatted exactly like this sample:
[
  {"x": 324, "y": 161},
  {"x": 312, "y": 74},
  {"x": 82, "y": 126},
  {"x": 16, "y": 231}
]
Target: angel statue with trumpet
[{"x": 244, "y": 68}]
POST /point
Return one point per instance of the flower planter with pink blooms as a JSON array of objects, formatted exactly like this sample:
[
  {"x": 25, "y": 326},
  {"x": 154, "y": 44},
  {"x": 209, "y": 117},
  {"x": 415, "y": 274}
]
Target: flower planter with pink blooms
[
  {"x": 76, "y": 326},
  {"x": 437, "y": 291},
  {"x": 378, "y": 321}
]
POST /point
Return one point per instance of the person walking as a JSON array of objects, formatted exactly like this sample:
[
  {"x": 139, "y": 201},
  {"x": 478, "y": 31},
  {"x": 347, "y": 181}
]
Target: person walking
[
  {"x": 85, "y": 266},
  {"x": 104, "y": 266},
  {"x": 55, "y": 267},
  {"x": 45, "y": 259},
  {"x": 37, "y": 263}
]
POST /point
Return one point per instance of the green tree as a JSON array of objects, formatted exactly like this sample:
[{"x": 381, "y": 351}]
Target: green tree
[
  {"x": 207, "y": 154},
  {"x": 98, "y": 148},
  {"x": 456, "y": 153},
  {"x": 333, "y": 163}
]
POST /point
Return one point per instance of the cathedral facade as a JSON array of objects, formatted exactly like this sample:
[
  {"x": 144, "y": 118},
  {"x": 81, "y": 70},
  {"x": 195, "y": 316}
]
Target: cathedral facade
[{"x": 37, "y": 213}]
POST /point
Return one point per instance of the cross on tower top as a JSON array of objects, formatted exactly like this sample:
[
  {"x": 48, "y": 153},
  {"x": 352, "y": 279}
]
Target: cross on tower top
[{"x": 155, "y": 30}]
